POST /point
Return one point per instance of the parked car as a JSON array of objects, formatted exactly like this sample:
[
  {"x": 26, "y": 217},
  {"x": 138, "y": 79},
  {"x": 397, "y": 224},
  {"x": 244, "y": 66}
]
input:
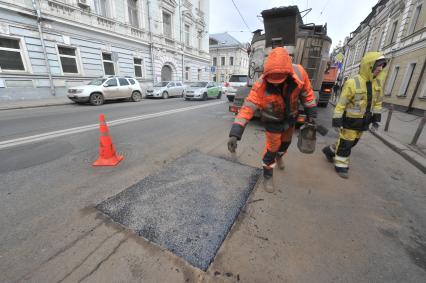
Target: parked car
[
  {"x": 203, "y": 90},
  {"x": 166, "y": 90},
  {"x": 108, "y": 88},
  {"x": 235, "y": 82}
]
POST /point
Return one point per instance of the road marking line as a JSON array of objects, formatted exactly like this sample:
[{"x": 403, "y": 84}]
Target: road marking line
[{"x": 70, "y": 131}]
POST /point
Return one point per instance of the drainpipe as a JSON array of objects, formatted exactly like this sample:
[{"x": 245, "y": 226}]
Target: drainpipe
[
  {"x": 151, "y": 43},
  {"x": 46, "y": 61},
  {"x": 180, "y": 36},
  {"x": 368, "y": 38}
]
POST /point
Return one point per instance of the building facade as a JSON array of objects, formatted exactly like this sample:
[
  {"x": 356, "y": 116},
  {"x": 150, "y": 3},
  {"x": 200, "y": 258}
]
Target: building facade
[
  {"x": 49, "y": 45},
  {"x": 228, "y": 57},
  {"x": 398, "y": 29}
]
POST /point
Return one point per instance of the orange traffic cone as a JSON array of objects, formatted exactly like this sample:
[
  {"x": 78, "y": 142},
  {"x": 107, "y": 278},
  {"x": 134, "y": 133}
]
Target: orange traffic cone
[{"x": 107, "y": 154}]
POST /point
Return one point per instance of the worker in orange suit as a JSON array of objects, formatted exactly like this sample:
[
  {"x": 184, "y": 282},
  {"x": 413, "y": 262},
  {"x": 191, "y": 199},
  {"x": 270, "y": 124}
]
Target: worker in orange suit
[{"x": 276, "y": 94}]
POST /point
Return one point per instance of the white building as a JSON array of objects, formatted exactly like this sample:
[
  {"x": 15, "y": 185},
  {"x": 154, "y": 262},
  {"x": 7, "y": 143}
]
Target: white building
[
  {"x": 73, "y": 41},
  {"x": 228, "y": 57}
]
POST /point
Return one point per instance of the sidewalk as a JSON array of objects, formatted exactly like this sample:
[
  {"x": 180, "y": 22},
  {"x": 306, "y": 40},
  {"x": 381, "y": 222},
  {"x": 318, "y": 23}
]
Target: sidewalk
[
  {"x": 402, "y": 128},
  {"x": 30, "y": 103}
]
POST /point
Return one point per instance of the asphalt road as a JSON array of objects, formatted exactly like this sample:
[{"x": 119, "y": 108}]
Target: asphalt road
[{"x": 317, "y": 227}]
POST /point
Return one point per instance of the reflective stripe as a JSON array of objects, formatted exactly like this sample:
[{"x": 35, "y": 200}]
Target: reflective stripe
[
  {"x": 341, "y": 158},
  {"x": 337, "y": 115},
  {"x": 297, "y": 71},
  {"x": 341, "y": 165},
  {"x": 311, "y": 103},
  {"x": 303, "y": 93},
  {"x": 250, "y": 105},
  {"x": 240, "y": 121},
  {"x": 270, "y": 166},
  {"x": 357, "y": 83}
]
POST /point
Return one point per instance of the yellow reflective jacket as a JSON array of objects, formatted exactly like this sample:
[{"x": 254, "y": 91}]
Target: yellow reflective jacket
[{"x": 352, "y": 105}]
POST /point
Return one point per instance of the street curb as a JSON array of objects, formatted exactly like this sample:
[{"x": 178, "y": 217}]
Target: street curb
[
  {"x": 411, "y": 156},
  {"x": 33, "y": 106}
]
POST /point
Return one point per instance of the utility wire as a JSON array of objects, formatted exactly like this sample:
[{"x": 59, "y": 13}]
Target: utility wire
[{"x": 241, "y": 15}]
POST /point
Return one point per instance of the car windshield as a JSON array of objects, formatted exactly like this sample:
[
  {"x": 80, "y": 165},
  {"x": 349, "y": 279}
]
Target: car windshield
[
  {"x": 161, "y": 84},
  {"x": 238, "y": 79},
  {"x": 198, "y": 84},
  {"x": 97, "y": 82}
]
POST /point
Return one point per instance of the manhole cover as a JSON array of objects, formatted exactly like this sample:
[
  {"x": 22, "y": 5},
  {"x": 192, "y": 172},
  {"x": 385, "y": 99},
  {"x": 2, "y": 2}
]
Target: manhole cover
[{"x": 188, "y": 207}]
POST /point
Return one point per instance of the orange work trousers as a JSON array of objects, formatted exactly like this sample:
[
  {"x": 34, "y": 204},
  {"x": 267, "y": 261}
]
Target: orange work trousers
[{"x": 276, "y": 146}]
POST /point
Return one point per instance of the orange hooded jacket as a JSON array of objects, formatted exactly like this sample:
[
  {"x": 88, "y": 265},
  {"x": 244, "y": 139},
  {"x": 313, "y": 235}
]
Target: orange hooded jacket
[{"x": 265, "y": 98}]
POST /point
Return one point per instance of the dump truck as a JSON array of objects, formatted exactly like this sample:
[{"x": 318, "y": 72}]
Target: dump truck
[
  {"x": 329, "y": 79},
  {"x": 308, "y": 45}
]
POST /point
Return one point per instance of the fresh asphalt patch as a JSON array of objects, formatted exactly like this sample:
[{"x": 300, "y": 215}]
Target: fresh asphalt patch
[{"x": 188, "y": 207}]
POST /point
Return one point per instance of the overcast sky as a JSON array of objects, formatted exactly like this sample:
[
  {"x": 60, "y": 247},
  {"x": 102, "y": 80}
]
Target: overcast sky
[{"x": 341, "y": 16}]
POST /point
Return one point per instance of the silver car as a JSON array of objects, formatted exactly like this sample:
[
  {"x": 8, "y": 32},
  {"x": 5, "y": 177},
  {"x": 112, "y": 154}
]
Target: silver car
[
  {"x": 99, "y": 90},
  {"x": 166, "y": 90}
]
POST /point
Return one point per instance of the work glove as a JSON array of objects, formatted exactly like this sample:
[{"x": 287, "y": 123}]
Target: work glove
[
  {"x": 375, "y": 125},
  {"x": 311, "y": 114},
  {"x": 232, "y": 144},
  {"x": 337, "y": 122},
  {"x": 377, "y": 117}
]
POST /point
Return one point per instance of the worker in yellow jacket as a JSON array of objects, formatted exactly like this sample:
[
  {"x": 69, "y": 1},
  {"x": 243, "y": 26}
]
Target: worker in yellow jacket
[{"x": 359, "y": 106}]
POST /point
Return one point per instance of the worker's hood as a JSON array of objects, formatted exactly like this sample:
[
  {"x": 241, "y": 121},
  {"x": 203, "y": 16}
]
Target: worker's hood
[
  {"x": 367, "y": 63},
  {"x": 278, "y": 62}
]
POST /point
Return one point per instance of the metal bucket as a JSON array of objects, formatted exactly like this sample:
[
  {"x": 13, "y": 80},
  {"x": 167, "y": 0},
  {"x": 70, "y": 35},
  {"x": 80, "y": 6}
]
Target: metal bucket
[{"x": 307, "y": 138}]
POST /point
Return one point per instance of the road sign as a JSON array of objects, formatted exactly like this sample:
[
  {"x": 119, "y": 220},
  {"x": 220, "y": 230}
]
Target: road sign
[
  {"x": 339, "y": 57},
  {"x": 213, "y": 69}
]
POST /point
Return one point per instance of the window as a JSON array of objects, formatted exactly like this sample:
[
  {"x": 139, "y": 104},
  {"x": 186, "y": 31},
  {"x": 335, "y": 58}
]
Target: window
[
  {"x": 199, "y": 74},
  {"x": 393, "y": 32},
  {"x": 108, "y": 64},
  {"x": 132, "y": 7},
  {"x": 415, "y": 19},
  {"x": 112, "y": 82},
  {"x": 138, "y": 67},
  {"x": 123, "y": 81},
  {"x": 222, "y": 61},
  {"x": 102, "y": 8},
  {"x": 187, "y": 35},
  {"x": 171, "y": 85},
  {"x": 11, "y": 55},
  {"x": 391, "y": 82},
  {"x": 178, "y": 84},
  {"x": 132, "y": 81},
  {"x": 167, "y": 25},
  {"x": 231, "y": 61},
  {"x": 187, "y": 71},
  {"x": 214, "y": 61},
  {"x": 222, "y": 78},
  {"x": 68, "y": 59},
  {"x": 407, "y": 79},
  {"x": 200, "y": 40}
]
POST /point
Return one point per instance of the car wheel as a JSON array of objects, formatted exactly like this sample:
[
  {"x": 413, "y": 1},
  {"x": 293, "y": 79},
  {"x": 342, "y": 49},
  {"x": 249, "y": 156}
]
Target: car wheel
[
  {"x": 96, "y": 99},
  {"x": 205, "y": 96},
  {"x": 165, "y": 95},
  {"x": 230, "y": 99},
  {"x": 219, "y": 95},
  {"x": 136, "y": 96}
]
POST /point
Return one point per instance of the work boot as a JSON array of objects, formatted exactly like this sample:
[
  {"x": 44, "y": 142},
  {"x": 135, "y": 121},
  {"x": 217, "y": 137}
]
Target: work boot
[
  {"x": 328, "y": 153},
  {"x": 268, "y": 184},
  {"x": 280, "y": 162},
  {"x": 342, "y": 172}
]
